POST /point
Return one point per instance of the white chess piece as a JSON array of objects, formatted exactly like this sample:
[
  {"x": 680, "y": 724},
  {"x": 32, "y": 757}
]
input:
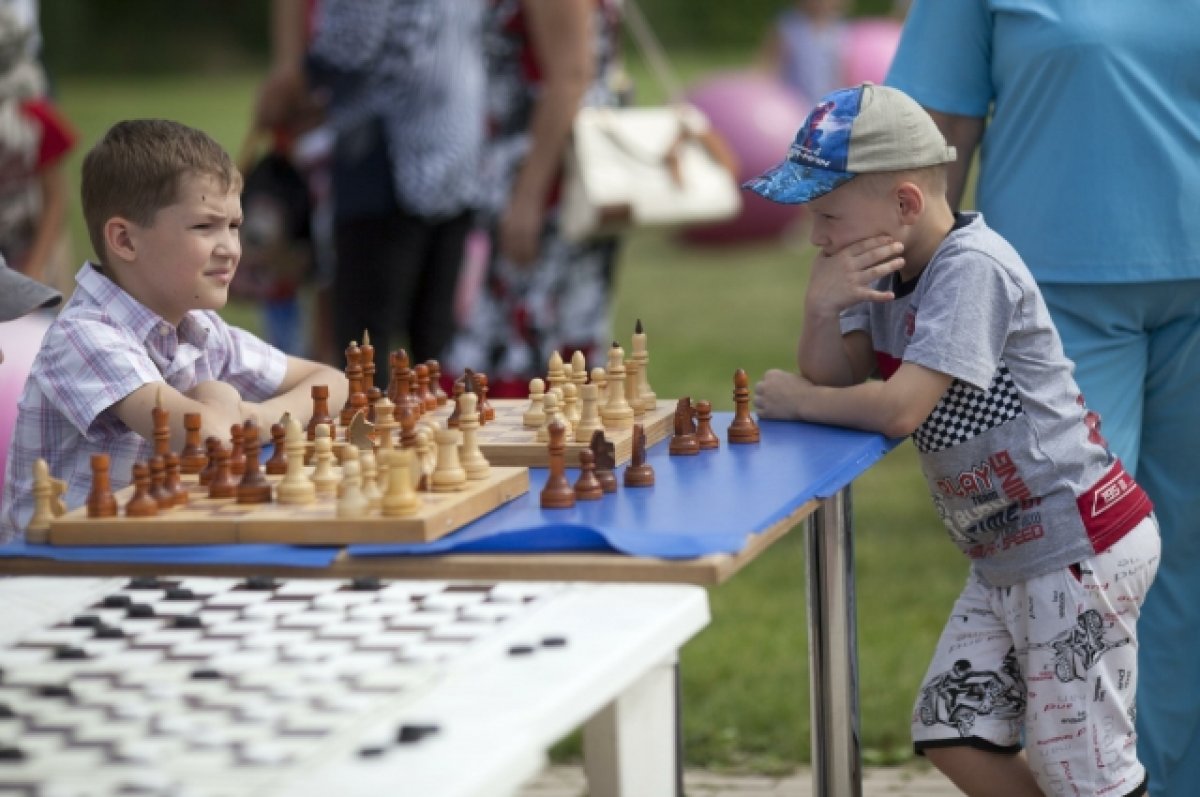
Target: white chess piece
[
  {"x": 449, "y": 475},
  {"x": 324, "y": 477},
  {"x": 353, "y": 502},
  {"x": 616, "y": 414},
  {"x": 470, "y": 457},
  {"x": 535, "y": 414},
  {"x": 400, "y": 500},
  {"x": 295, "y": 487},
  {"x": 589, "y": 414}
]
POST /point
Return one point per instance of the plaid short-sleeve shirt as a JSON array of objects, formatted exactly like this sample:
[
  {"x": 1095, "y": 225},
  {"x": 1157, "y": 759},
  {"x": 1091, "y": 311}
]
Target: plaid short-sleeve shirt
[{"x": 104, "y": 345}]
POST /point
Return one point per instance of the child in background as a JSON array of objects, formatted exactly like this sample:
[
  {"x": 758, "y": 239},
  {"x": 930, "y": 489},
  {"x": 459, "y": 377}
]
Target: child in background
[
  {"x": 804, "y": 48},
  {"x": 163, "y": 211},
  {"x": 34, "y": 141},
  {"x": 1042, "y": 648}
]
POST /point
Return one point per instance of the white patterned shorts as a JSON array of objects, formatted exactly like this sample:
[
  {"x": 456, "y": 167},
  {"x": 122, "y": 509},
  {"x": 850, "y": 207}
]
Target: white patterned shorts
[{"x": 1049, "y": 664}]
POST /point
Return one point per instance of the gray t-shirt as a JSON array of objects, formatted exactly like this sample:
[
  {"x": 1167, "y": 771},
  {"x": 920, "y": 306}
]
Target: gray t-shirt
[{"x": 1015, "y": 462}]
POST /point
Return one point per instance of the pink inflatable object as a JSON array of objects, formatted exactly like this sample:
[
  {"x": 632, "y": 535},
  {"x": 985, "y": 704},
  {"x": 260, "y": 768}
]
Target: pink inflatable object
[
  {"x": 20, "y": 341},
  {"x": 758, "y": 116},
  {"x": 869, "y": 47}
]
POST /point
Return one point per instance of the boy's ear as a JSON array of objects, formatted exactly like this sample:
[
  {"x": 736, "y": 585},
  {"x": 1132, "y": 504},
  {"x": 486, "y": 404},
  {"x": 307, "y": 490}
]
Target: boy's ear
[
  {"x": 910, "y": 202},
  {"x": 120, "y": 238}
]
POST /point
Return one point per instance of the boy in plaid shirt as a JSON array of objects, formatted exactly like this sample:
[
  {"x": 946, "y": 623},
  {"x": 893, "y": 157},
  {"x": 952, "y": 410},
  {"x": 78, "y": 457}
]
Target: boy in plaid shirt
[{"x": 163, "y": 210}]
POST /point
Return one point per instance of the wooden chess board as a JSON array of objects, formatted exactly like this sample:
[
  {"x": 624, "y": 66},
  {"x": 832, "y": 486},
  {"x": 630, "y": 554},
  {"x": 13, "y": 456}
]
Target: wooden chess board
[
  {"x": 207, "y": 521},
  {"x": 506, "y": 441}
]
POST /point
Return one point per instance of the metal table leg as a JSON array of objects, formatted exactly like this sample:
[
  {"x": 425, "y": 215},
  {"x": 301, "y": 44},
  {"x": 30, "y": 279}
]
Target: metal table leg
[{"x": 833, "y": 651}]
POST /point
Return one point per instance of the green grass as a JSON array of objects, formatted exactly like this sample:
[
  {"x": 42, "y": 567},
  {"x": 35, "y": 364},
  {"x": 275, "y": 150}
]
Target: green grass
[{"x": 707, "y": 312}]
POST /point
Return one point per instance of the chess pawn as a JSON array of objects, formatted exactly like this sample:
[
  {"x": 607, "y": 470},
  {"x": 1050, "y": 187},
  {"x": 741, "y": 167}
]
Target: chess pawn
[
  {"x": 222, "y": 484},
  {"x": 558, "y": 493},
  {"x": 684, "y": 442},
  {"x": 705, "y": 435},
  {"x": 435, "y": 382},
  {"x": 211, "y": 444},
  {"x": 158, "y": 483},
  {"x": 424, "y": 394},
  {"x": 353, "y": 502},
  {"x": 535, "y": 414},
  {"x": 641, "y": 356},
  {"x": 401, "y": 500},
  {"x": 589, "y": 413},
  {"x": 385, "y": 423},
  {"x": 295, "y": 488},
  {"x": 369, "y": 478},
  {"x": 142, "y": 504},
  {"x": 579, "y": 372},
  {"x": 277, "y": 464},
  {"x": 616, "y": 414},
  {"x": 470, "y": 457},
  {"x": 599, "y": 378},
  {"x": 555, "y": 374},
  {"x": 587, "y": 486},
  {"x": 100, "y": 500},
  {"x": 449, "y": 474},
  {"x": 742, "y": 429},
  {"x": 487, "y": 413},
  {"x": 237, "y": 454},
  {"x": 173, "y": 483},
  {"x": 324, "y": 478},
  {"x": 426, "y": 457},
  {"x": 570, "y": 405},
  {"x": 550, "y": 407},
  {"x": 192, "y": 458},
  {"x": 254, "y": 487}
]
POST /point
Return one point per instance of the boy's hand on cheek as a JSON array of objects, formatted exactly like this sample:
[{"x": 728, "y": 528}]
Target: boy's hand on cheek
[
  {"x": 780, "y": 395},
  {"x": 845, "y": 278}
]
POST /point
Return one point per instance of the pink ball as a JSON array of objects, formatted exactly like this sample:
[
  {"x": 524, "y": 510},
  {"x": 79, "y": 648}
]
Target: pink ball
[
  {"x": 758, "y": 116},
  {"x": 20, "y": 341},
  {"x": 868, "y": 49}
]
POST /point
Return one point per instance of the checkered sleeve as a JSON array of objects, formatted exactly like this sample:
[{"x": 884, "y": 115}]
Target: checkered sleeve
[
  {"x": 251, "y": 365},
  {"x": 89, "y": 363}
]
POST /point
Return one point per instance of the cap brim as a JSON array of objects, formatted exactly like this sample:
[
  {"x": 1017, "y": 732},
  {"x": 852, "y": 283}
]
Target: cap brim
[
  {"x": 20, "y": 294},
  {"x": 792, "y": 184}
]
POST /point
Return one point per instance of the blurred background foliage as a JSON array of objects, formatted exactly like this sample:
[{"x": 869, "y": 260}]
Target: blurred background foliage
[{"x": 88, "y": 37}]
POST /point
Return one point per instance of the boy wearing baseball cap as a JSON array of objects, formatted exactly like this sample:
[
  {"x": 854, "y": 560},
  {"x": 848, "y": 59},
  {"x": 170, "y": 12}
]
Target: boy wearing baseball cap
[{"x": 1041, "y": 648}]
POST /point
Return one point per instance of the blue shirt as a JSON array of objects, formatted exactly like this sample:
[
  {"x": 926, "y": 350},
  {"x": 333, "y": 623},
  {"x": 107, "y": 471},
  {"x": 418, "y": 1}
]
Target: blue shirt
[{"x": 1090, "y": 165}]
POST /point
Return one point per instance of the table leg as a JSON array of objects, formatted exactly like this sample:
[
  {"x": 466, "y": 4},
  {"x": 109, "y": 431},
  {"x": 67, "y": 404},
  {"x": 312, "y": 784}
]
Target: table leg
[
  {"x": 629, "y": 745},
  {"x": 833, "y": 650}
]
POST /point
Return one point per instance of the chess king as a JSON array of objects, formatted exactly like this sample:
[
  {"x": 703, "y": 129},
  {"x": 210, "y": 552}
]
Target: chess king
[{"x": 162, "y": 205}]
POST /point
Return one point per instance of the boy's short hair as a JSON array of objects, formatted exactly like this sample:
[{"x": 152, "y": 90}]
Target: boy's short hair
[
  {"x": 135, "y": 171},
  {"x": 861, "y": 130}
]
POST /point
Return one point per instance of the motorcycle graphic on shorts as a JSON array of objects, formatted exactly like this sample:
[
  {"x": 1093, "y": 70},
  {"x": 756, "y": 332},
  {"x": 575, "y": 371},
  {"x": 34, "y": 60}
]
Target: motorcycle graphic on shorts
[{"x": 960, "y": 695}]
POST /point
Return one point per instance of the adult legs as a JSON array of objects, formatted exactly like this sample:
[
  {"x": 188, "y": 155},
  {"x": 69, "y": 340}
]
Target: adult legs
[
  {"x": 432, "y": 321},
  {"x": 1137, "y": 348}
]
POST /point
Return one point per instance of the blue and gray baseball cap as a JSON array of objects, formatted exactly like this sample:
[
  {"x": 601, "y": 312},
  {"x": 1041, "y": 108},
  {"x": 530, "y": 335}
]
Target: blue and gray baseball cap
[
  {"x": 853, "y": 131},
  {"x": 20, "y": 294}
]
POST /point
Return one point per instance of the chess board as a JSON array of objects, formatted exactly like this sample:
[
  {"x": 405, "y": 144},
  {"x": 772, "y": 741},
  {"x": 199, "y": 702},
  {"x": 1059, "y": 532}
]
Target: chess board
[
  {"x": 206, "y": 687},
  {"x": 206, "y": 521},
  {"x": 506, "y": 441}
]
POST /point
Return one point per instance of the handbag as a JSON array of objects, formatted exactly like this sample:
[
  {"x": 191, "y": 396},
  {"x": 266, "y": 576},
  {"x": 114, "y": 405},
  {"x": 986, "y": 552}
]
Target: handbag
[{"x": 645, "y": 166}]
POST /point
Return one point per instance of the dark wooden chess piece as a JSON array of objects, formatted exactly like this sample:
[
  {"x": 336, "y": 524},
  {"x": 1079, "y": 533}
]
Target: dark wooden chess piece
[
  {"x": 277, "y": 464},
  {"x": 705, "y": 436},
  {"x": 638, "y": 472},
  {"x": 742, "y": 429},
  {"x": 460, "y": 387},
  {"x": 158, "y": 483},
  {"x": 172, "y": 481},
  {"x": 354, "y": 378},
  {"x": 142, "y": 504},
  {"x": 424, "y": 393},
  {"x": 558, "y": 493},
  {"x": 192, "y": 458},
  {"x": 684, "y": 441},
  {"x": 587, "y": 486},
  {"x": 487, "y": 412},
  {"x": 435, "y": 382},
  {"x": 605, "y": 457},
  {"x": 100, "y": 500},
  {"x": 162, "y": 427},
  {"x": 210, "y": 468},
  {"x": 254, "y": 487},
  {"x": 237, "y": 452},
  {"x": 367, "y": 355},
  {"x": 320, "y": 413},
  {"x": 222, "y": 484}
]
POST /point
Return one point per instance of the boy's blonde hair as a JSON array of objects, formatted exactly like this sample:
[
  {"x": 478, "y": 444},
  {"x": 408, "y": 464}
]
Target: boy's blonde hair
[
  {"x": 931, "y": 179},
  {"x": 135, "y": 171}
]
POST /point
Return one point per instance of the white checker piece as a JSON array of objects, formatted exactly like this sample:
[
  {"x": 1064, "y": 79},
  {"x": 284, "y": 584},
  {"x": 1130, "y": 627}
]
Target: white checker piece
[{"x": 213, "y": 687}]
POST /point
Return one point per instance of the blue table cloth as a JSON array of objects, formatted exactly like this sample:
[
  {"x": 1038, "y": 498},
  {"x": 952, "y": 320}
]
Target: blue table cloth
[{"x": 706, "y": 504}]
